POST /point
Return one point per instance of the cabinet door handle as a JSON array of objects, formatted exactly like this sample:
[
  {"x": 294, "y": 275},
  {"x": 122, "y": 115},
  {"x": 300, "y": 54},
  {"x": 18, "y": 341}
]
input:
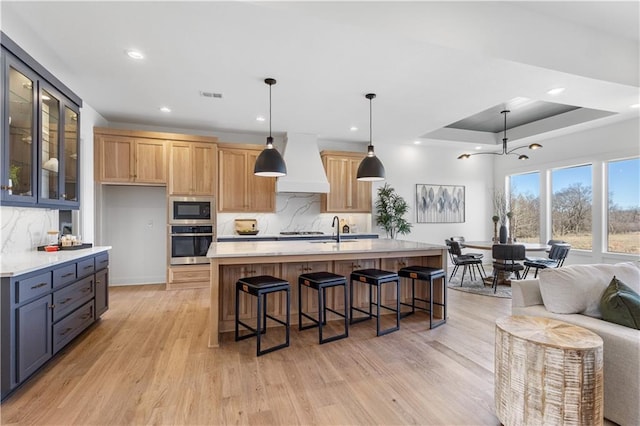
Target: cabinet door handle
[
  {"x": 38, "y": 286},
  {"x": 64, "y": 196},
  {"x": 68, "y": 275},
  {"x": 52, "y": 306},
  {"x": 6, "y": 187},
  {"x": 98, "y": 281}
]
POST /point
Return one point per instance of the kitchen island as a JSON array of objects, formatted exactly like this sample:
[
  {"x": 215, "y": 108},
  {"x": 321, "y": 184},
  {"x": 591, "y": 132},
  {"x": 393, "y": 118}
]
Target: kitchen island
[{"x": 288, "y": 259}]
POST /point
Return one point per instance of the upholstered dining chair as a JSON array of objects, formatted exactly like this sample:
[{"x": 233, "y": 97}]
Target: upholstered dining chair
[
  {"x": 557, "y": 255},
  {"x": 506, "y": 259},
  {"x": 460, "y": 239},
  {"x": 467, "y": 262}
]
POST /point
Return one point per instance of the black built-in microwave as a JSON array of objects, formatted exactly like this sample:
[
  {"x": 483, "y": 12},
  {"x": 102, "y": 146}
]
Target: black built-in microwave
[{"x": 191, "y": 210}]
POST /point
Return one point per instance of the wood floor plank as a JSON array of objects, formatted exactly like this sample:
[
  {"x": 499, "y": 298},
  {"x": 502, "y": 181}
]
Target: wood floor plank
[{"x": 147, "y": 362}]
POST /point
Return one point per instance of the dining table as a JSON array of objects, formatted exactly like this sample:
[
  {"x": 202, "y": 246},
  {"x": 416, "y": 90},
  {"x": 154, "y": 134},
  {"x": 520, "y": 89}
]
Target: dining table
[
  {"x": 487, "y": 245},
  {"x": 503, "y": 278}
]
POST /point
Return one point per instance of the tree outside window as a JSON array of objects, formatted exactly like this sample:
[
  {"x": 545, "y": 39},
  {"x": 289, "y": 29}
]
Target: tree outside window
[
  {"x": 525, "y": 206},
  {"x": 623, "y": 219},
  {"x": 571, "y": 206}
]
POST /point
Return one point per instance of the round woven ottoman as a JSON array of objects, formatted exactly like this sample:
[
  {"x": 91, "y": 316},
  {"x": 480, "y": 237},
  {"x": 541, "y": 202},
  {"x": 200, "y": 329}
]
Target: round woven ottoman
[{"x": 547, "y": 372}]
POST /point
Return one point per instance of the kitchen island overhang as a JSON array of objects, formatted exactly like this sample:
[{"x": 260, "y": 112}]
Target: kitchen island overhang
[{"x": 280, "y": 253}]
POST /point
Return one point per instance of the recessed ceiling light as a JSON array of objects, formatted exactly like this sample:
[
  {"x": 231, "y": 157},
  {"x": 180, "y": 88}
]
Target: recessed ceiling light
[
  {"x": 165, "y": 109},
  {"x": 478, "y": 148},
  {"x": 556, "y": 91},
  {"x": 135, "y": 54},
  {"x": 417, "y": 142},
  {"x": 634, "y": 106},
  {"x": 353, "y": 128},
  {"x": 260, "y": 118}
]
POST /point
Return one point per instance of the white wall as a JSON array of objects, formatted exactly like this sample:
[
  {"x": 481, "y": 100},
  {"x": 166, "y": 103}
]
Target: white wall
[
  {"x": 408, "y": 165},
  {"x": 135, "y": 225},
  {"x": 595, "y": 146}
]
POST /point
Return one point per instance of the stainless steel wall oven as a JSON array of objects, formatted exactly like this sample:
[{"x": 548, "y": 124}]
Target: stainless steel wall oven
[{"x": 189, "y": 243}]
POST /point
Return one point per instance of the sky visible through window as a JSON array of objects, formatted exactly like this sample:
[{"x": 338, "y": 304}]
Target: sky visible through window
[{"x": 624, "y": 183}]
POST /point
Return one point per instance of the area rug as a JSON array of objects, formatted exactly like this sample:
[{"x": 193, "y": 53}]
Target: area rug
[{"x": 478, "y": 287}]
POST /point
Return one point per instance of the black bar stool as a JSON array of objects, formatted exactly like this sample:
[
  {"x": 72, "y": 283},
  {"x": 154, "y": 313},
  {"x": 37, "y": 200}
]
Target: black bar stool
[
  {"x": 320, "y": 281},
  {"x": 425, "y": 273},
  {"x": 375, "y": 277},
  {"x": 261, "y": 286}
]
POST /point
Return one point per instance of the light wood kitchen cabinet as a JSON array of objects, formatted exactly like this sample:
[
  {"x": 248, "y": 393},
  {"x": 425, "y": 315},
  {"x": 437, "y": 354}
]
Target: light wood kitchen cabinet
[
  {"x": 192, "y": 168},
  {"x": 239, "y": 190},
  {"x": 188, "y": 276},
  {"x": 122, "y": 159},
  {"x": 139, "y": 157},
  {"x": 347, "y": 194}
]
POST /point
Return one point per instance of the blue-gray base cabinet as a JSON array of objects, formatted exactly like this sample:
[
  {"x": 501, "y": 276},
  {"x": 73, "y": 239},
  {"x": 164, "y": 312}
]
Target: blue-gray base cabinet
[{"x": 43, "y": 310}]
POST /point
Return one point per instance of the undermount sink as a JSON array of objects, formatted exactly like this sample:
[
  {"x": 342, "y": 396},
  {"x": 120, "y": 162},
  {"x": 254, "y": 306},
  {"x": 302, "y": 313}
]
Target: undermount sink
[{"x": 331, "y": 241}]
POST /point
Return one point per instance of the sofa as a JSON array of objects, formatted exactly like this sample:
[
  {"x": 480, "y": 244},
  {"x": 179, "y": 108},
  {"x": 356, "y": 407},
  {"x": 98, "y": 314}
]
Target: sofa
[{"x": 572, "y": 294}]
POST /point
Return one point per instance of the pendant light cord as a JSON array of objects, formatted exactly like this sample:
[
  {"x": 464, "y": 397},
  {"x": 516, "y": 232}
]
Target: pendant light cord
[
  {"x": 370, "y": 121},
  {"x": 270, "y": 110}
]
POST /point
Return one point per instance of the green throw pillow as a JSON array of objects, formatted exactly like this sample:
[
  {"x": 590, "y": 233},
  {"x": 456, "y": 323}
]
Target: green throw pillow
[{"x": 620, "y": 304}]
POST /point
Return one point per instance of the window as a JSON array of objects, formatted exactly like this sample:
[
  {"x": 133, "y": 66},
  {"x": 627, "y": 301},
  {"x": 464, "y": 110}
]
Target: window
[
  {"x": 525, "y": 206},
  {"x": 623, "y": 218},
  {"x": 571, "y": 205}
]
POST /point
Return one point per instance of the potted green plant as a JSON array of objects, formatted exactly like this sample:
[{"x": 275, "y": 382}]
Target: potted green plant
[{"x": 390, "y": 211}]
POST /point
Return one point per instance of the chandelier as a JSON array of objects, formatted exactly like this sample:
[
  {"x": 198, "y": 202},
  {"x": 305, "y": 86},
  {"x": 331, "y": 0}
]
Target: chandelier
[{"x": 504, "y": 145}]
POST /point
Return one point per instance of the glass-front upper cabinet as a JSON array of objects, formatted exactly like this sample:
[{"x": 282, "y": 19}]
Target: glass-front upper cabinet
[
  {"x": 71, "y": 144},
  {"x": 58, "y": 149},
  {"x": 50, "y": 147},
  {"x": 19, "y": 151},
  {"x": 40, "y": 130}
]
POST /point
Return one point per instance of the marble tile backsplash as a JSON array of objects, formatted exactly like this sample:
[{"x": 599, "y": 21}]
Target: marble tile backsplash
[
  {"x": 25, "y": 228},
  {"x": 294, "y": 212}
]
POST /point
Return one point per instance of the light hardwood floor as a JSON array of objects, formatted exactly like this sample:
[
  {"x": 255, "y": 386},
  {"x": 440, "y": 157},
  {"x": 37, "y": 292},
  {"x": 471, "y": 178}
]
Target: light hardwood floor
[{"x": 147, "y": 362}]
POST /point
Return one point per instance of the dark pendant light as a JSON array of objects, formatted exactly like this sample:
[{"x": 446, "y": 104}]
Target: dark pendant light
[
  {"x": 270, "y": 163},
  {"x": 370, "y": 168},
  {"x": 504, "y": 145}
]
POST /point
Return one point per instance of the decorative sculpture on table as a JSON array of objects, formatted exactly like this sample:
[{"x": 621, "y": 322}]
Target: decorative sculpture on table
[
  {"x": 495, "y": 228},
  {"x": 500, "y": 210}
]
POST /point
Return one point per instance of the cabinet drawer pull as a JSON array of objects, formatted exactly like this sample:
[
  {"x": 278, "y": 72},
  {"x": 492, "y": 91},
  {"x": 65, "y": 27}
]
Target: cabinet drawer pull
[
  {"x": 68, "y": 329},
  {"x": 88, "y": 267},
  {"x": 86, "y": 289},
  {"x": 102, "y": 262},
  {"x": 38, "y": 286},
  {"x": 85, "y": 316},
  {"x": 66, "y": 300},
  {"x": 98, "y": 281},
  {"x": 68, "y": 275},
  {"x": 6, "y": 187}
]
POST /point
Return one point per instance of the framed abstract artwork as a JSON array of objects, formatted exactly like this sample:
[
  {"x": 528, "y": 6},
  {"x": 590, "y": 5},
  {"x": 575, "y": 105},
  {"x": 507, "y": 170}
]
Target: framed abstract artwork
[{"x": 439, "y": 203}]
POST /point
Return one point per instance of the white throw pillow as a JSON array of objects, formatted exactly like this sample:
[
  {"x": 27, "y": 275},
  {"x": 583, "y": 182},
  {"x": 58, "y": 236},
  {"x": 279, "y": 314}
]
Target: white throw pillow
[{"x": 577, "y": 289}]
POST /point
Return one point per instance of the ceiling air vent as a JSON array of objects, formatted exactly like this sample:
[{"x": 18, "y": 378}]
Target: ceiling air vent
[{"x": 211, "y": 95}]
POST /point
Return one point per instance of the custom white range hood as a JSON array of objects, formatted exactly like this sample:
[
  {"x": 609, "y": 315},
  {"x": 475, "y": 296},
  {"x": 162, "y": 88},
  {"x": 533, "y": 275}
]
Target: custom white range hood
[{"x": 305, "y": 172}]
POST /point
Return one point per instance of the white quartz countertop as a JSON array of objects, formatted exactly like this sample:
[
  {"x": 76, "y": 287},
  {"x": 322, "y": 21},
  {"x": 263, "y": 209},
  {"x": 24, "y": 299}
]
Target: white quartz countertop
[
  {"x": 293, "y": 248},
  {"x": 12, "y": 264}
]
